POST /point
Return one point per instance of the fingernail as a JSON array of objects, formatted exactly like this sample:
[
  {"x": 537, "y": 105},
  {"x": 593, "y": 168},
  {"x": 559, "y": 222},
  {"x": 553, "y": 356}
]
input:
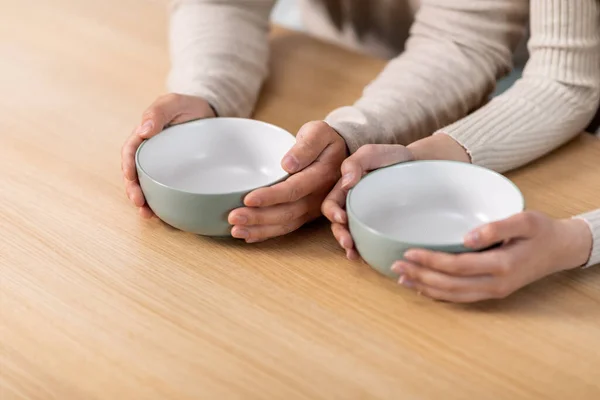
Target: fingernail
[
  {"x": 404, "y": 281},
  {"x": 338, "y": 217},
  {"x": 239, "y": 220},
  {"x": 241, "y": 233},
  {"x": 412, "y": 255},
  {"x": 397, "y": 268},
  {"x": 145, "y": 127},
  {"x": 346, "y": 179},
  {"x": 290, "y": 164},
  {"x": 472, "y": 238}
]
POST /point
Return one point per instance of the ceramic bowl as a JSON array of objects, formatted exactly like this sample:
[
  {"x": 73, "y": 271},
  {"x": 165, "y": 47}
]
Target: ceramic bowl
[
  {"x": 425, "y": 204},
  {"x": 194, "y": 174}
]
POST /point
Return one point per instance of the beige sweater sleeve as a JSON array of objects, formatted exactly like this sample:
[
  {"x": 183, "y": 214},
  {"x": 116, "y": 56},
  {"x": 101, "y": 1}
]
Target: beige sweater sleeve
[
  {"x": 553, "y": 102},
  {"x": 219, "y": 51},
  {"x": 456, "y": 52}
]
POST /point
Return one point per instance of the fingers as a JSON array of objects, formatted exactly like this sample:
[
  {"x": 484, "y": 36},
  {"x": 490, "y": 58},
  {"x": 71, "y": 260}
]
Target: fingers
[
  {"x": 316, "y": 177},
  {"x": 494, "y": 262},
  {"x": 128, "y": 156},
  {"x": 369, "y": 158},
  {"x": 276, "y": 215},
  {"x": 452, "y": 297},
  {"x": 259, "y": 233},
  {"x": 312, "y": 139},
  {"x": 167, "y": 109},
  {"x": 352, "y": 255},
  {"x": 258, "y": 224},
  {"x": 160, "y": 113},
  {"x": 522, "y": 225},
  {"x": 146, "y": 212},
  {"x": 172, "y": 109},
  {"x": 445, "y": 287},
  {"x": 439, "y": 280},
  {"x": 342, "y": 235},
  {"x": 333, "y": 205},
  {"x": 134, "y": 192}
]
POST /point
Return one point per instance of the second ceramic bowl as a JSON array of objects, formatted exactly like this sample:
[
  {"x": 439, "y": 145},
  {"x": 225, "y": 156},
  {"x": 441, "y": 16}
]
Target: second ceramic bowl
[
  {"x": 193, "y": 174},
  {"x": 425, "y": 204}
]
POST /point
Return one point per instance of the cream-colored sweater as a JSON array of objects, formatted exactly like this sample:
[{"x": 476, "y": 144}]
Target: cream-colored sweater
[{"x": 445, "y": 70}]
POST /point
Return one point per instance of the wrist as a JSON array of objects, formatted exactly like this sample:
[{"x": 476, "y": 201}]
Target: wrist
[
  {"x": 439, "y": 147},
  {"x": 577, "y": 238},
  {"x": 341, "y": 138}
]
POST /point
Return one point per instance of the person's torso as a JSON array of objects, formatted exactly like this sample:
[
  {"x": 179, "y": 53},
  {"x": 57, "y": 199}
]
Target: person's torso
[
  {"x": 383, "y": 25},
  {"x": 386, "y": 23}
]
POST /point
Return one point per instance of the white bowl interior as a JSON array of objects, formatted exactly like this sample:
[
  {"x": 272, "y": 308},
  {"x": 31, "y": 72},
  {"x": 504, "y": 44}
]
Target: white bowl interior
[
  {"x": 219, "y": 155},
  {"x": 433, "y": 202}
]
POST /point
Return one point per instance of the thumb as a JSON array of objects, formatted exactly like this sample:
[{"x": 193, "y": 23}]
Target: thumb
[
  {"x": 312, "y": 139},
  {"x": 519, "y": 226},
  {"x": 371, "y": 157},
  {"x": 169, "y": 109}
]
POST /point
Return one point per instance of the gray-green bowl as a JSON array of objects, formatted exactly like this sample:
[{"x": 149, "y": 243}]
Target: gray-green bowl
[
  {"x": 193, "y": 174},
  {"x": 427, "y": 205}
]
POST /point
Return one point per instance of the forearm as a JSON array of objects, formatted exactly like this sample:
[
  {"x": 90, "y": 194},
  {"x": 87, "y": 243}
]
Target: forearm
[
  {"x": 556, "y": 99},
  {"x": 452, "y": 60},
  {"x": 219, "y": 51}
]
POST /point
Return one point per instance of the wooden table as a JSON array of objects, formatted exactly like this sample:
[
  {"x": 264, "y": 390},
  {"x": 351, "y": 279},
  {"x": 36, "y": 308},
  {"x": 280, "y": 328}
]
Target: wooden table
[{"x": 98, "y": 304}]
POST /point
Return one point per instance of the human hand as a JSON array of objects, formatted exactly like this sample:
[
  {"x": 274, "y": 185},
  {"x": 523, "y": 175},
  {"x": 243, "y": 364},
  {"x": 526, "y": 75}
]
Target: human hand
[
  {"x": 534, "y": 246},
  {"x": 366, "y": 159},
  {"x": 170, "y": 109},
  {"x": 314, "y": 165}
]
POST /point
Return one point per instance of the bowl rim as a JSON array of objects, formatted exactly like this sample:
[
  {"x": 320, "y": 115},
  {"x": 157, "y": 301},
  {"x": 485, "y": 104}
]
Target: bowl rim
[
  {"x": 440, "y": 245},
  {"x": 201, "y": 120}
]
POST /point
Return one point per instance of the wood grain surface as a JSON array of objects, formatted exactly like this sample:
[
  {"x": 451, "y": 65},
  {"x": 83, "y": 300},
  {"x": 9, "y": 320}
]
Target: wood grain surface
[{"x": 98, "y": 304}]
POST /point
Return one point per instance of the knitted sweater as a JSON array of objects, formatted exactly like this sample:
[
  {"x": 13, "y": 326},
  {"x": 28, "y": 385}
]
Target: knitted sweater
[{"x": 437, "y": 80}]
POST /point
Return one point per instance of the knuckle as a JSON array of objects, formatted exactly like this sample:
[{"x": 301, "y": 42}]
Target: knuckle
[
  {"x": 288, "y": 228},
  {"x": 315, "y": 125},
  {"x": 125, "y": 149},
  {"x": 530, "y": 220},
  {"x": 293, "y": 194},
  {"x": 337, "y": 232},
  {"x": 427, "y": 292},
  {"x": 332, "y": 175},
  {"x": 309, "y": 129},
  {"x": 367, "y": 150},
  {"x": 501, "y": 290},
  {"x": 490, "y": 232},
  {"x": 171, "y": 98},
  {"x": 460, "y": 268},
  {"x": 326, "y": 208},
  {"x": 504, "y": 266},
  {"x": 256, "y": 219},
  {"x": 348, "y": 163},
  {"x": 153, "y": 113},
  {"x": 447, "y": 285},
  {"x": 287, "y": 216}
]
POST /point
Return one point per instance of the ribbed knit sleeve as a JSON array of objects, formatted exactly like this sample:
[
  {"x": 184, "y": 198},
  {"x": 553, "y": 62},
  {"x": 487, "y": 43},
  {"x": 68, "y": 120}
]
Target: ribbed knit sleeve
[
  {"x": 456, "y": 52},
  {"x": 556, "y": 98},
  {"x": 219, "y": 51}
]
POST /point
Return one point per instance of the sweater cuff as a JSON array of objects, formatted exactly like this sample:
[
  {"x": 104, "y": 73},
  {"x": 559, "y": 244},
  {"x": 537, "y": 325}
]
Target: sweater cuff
[
  {"x": 593, "y": 220},
  {"x": 219, "y": 104},
  {"x": 352, "y": 125}
]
